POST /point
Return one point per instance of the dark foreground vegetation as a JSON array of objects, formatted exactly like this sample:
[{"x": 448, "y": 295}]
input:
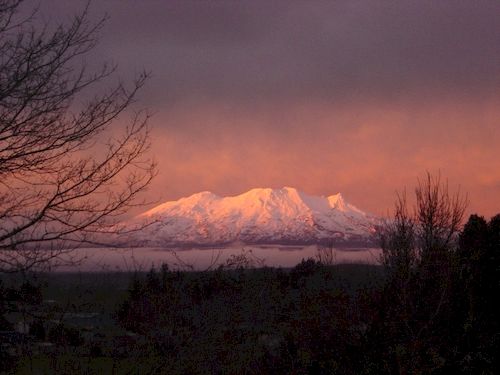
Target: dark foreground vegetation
[{"x": 439, "y": 316}]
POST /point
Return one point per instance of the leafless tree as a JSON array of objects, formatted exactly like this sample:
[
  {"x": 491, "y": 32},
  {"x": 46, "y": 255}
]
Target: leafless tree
[
  {"x": 65, "y": 174},
  {"x": 245, "y": 260},
  {"x": 426, "y": 232},
  {"x": 398, "y": 239},
  {"x": 417, "y": 251},
  {"x": 326, "y": 255}
]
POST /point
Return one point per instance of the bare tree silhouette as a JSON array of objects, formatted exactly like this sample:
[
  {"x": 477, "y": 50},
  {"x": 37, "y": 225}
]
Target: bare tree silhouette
[
  {"x": 57, "y": 185},
  {"x": 424, "y": 233},
  {"x": 418, "y": 247}
]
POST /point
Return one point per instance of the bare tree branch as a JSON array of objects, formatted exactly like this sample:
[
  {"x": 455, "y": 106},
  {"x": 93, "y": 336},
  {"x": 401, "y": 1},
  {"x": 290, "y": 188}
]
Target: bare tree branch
[{"x": 57, "y": 186}]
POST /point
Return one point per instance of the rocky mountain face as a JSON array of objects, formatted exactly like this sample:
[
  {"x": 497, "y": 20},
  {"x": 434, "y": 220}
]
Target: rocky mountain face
[{"x": 279, "y": 216}]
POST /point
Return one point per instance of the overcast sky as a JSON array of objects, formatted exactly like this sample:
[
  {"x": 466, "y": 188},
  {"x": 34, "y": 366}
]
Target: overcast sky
[{"x": 360, "y": 97}]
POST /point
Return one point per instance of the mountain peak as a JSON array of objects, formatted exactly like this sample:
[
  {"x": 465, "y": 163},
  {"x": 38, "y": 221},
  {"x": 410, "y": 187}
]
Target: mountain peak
[
  {"x": 337, "y": 201},
  {"x": 204, "y": 195},
  {"x": 268, "y": 191},
  {"x": 281, "y": 215}
]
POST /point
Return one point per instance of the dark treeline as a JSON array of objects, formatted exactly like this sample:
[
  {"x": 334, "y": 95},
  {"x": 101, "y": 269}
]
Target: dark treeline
[{"x": 247, "y": 321}]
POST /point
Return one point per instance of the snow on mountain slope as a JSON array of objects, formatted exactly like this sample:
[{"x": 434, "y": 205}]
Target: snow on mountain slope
[{"x": 283, "y": 215}]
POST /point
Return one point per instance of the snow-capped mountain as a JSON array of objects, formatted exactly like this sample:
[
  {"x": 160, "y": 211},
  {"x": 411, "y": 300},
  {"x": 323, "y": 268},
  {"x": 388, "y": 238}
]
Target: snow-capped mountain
[{"x": 283, "y": 215}]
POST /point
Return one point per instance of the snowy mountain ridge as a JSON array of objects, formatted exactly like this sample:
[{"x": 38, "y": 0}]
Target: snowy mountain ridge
[{"x": 260, "y": 215}]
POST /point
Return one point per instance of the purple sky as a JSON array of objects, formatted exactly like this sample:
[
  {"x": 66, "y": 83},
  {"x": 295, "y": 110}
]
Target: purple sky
[{"x": 360, "y": 97}]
